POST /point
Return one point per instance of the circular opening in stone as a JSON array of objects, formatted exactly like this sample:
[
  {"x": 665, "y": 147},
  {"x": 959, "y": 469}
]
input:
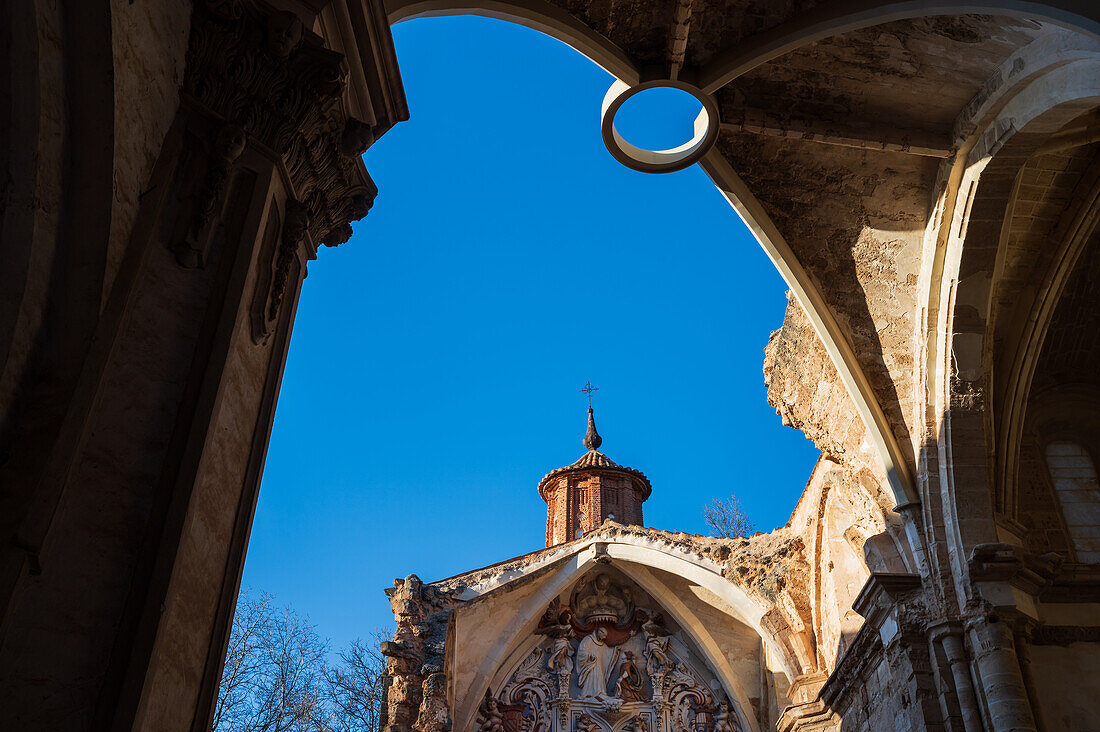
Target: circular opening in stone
[{"x": 661, "y": 118}]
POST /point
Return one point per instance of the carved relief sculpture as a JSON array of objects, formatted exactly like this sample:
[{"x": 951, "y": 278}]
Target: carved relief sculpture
[
  {"x": 595, "y": 661},
  {"x": 607, "y": 662}
]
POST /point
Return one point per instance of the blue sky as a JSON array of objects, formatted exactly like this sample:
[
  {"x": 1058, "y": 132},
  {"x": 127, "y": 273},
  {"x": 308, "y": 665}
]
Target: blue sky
[{"x": 436, "y": 361}]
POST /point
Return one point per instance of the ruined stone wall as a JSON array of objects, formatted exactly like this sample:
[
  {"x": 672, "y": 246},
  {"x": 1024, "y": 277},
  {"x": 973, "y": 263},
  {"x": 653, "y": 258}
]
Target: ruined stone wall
[
  {"x": 857, "y": 221},
  {"x": 847, "y": 535},
  {"x": 806, "y": 392}
]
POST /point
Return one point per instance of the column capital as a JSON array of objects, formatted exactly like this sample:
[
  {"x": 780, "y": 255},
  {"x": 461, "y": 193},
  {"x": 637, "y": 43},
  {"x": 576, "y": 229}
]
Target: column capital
[{"x": 260, "y": 69}]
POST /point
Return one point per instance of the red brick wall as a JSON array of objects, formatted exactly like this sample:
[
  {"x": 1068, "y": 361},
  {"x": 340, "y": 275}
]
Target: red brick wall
[{"x": 595, "y": 496}]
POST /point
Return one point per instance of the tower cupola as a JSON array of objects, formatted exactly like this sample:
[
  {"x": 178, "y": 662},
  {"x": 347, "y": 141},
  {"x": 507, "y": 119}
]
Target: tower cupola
[{"x": 580, "y": 496}]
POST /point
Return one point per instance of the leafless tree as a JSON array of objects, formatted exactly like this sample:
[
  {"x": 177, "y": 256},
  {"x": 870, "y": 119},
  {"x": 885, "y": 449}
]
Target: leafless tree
[
  {"x": 355, "y": 685},
  {"x": 278, "y": 676},
  {"x": 726, "y": 518}
]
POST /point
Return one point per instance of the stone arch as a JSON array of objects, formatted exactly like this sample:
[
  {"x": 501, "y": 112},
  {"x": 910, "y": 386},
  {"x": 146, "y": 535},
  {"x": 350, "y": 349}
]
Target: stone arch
[
  {"x": 748, "y": 610},
  {"x": 682, "y": 615},
  {"x": 1015, "y": 365},
  {"x": 1018, "y": 120},
  {"x": 567, "y": 570},
  {"x": 535, "y": 14},
  {"x": 565, "y": 27},
  {"x": 854, "y": 535},
  {"x": 835, "y": 18},
  {"x": 57, "y": 142},
  {"x": 843, "y": 569},
  {"x": 805, "y": 29}
]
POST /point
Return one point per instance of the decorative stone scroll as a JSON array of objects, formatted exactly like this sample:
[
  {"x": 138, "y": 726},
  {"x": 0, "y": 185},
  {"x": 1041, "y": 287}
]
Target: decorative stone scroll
[
  {"x": 607, "y": 662},
  {"x": 268, "y": 84}
]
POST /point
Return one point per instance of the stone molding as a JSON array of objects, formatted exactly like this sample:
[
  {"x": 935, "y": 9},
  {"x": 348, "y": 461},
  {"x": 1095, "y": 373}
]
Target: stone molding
[
  {"x": 1075, "y": 582},
  {"x": 1031, "y": 573},
  {"x": 813, "y": 716},
  {"x": 258, "y": 70},
  {"x": 881, "y": 592},
  {"x": 1063, "y": 635}
]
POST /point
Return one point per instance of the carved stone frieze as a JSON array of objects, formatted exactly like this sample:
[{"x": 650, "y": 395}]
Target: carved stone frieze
[
  {"x": 607, "y": 662},
  {"x": 1063, "y": 635}
]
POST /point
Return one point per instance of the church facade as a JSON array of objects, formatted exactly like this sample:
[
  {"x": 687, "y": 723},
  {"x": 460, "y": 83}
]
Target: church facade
[
  {"x": 925, "y": 176},
  {"x": 610, "y": 627},
  {"x": 615, "y": 627}
]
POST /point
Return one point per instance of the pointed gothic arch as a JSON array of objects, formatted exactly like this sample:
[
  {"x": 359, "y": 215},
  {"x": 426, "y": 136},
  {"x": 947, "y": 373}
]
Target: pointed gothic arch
[
  {"x": 558, "y": 569},
  {"x": 979, "y": 384}
]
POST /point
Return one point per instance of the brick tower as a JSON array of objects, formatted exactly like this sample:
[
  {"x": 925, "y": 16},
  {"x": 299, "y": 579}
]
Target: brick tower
[{"x": 580, "y": 496}]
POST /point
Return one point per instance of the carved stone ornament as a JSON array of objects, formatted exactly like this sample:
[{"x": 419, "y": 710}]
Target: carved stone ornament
[
  {"x": 416, "y": 695},
  {"x": 607, "y": 662},
  {"x": 968, "y": 396},
  {"x": 271, "y": 82},
  {"x": 201, "y": 183},
  {"x": 277, "y": 255}
]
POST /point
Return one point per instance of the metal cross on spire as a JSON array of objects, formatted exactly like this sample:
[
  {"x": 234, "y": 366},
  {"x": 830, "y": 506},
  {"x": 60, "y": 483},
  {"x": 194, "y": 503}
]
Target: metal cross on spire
[{"x": 588, "y": 389}]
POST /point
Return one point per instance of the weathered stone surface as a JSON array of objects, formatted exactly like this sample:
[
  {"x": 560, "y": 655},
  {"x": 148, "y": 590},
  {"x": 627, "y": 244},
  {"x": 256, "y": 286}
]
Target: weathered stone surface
[{"x": 931, "y": 187}]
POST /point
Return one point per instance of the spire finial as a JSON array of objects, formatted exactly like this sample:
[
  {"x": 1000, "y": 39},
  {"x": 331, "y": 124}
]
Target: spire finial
[
  {"x": 588, "y": 389},
  {"x": 592, "y": 439}
]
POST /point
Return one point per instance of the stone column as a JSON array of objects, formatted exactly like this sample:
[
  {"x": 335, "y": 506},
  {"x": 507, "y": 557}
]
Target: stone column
[
  {"x": 1023, "y": 652},
  {"x": 133, "y": 538},
  {"x": 950, "y": 640},
  {"x": 999, "y": 670}
]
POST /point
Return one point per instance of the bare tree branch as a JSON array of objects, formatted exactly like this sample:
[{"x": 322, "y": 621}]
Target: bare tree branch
[
  {"x": 278, "y": 676},
  {"x": 727, "y": 519}
]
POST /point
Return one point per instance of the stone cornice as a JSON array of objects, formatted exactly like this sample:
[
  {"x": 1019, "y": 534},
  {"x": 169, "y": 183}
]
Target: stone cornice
[
  {"x": 260, "y": 69},
  {"x": 881, "y": 592},
  {"x": 995, "y": 563},
  {"x": 1074, "y": 583},
  {"x": 1063, "y": 635}
]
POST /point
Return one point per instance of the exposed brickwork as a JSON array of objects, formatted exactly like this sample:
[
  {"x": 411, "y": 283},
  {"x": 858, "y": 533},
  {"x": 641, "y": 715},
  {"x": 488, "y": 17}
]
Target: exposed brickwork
[{"x": 580, "y": 502}]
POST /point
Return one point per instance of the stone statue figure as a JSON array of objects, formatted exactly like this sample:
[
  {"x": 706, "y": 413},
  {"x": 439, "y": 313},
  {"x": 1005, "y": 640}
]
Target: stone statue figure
[
  {"x": 722, "y": 721},
  {"x": 657, "y": 654},
  {"x": 561, "y": 649},
  {"x": 489, "y": 717},
  {"x": 585, "y": 723},
  {"x": 561, "y": 656},
  {"x": 629, "y": 686},
  {"x": 595, "y": 660}
]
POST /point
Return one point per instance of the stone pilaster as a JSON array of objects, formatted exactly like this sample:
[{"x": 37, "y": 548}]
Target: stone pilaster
[{"x": 140, "y": 524}]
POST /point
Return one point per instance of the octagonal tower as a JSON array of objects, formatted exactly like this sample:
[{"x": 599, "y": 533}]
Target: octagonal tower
[{"x": 580, "y": 496}]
